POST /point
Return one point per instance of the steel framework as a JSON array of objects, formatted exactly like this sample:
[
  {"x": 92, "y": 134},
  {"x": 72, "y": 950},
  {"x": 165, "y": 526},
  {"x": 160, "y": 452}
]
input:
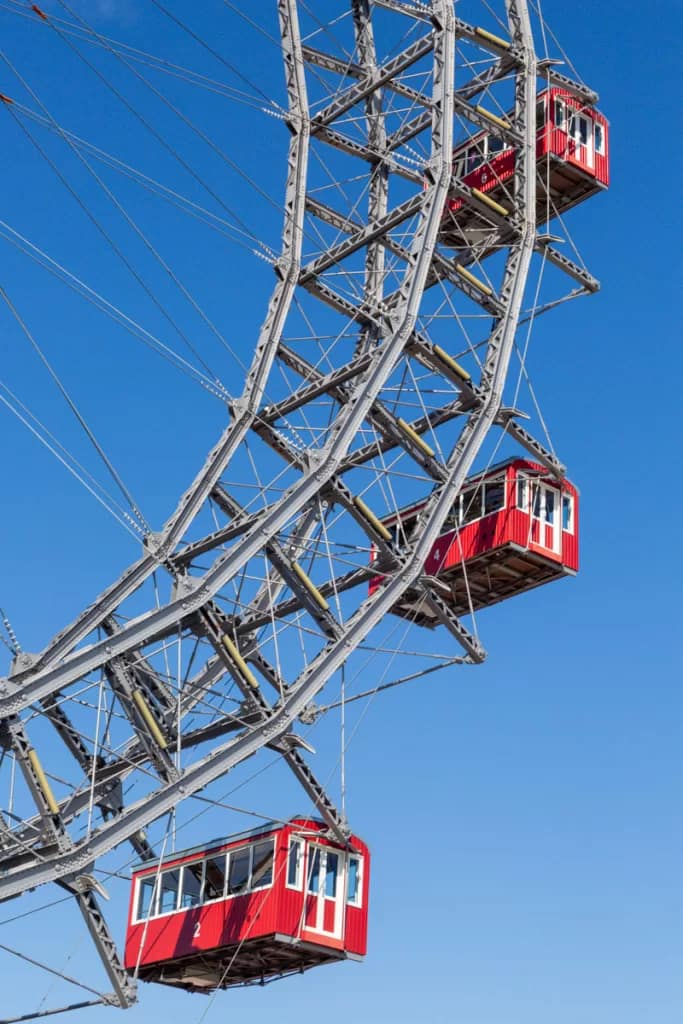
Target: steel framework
[{"x": 377, "y": 375}]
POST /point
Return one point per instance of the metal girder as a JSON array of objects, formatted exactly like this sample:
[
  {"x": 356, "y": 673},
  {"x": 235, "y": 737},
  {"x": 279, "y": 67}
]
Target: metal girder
[
  {"x": 338, "y": 140},
  {"x": 494, "y": 123},
  {"x": 379, "y": 416},
  {"x": 70, "y": 736},
  {"x": 582, "y": 92},
  {"x": 442, "y": 267},
  {"x": 378, "y": 185},
  {"x": 368, "y": 233},
  {"x": 48, "y": 809},
  {"x": 125, "y": 989},
  {"x": 485, "y": 210},
  {"x": 372, "y": 449},
  {"x": 216, "y": 539},
  {"x": 445, "y": 615},
  {"x": 314, "y": 386},
  {"x": 371, "y": 83},
  {"x": 144, "y": 675},
  {"x": 139, "y": 713},
  {"x": 350, "y": 68},
  {"x": 573, "y": 270},
  {"x": 320, "y": 798},
  {"x": 412, "y": 10},
  {"x": 506, "y": 419},
  {"x": 354, "y": 578}
]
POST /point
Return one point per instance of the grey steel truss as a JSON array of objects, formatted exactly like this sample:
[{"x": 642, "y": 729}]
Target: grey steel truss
[{"x": 376, "y": 379}]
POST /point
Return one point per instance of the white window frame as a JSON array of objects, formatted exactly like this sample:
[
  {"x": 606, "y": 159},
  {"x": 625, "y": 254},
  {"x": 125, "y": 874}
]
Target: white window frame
[
  {"x": 490, "y": 483},
  {"x": 154, "y": 903},
  {"x": 199, "y": 902},
  {"x": 598, "y": 131},
  {"x": 215, "y": 899},
  {"x": 492, "y": 155},
  {"x": 232, "y": 895},
  {"x": 160, "y": 875},
  {"x": 570, "y": 498},
  {"x": 542, "y": 107},
  {"x": 560, "y": 104},
  {"x": 252, "y": 847},
  {"x": 358, "y": 901},
  {"x": 298, "y": 884},
  {"x": 524, "y": 481},
  {"x": 462, "y": 523},
  {"x": 249, "y": 887}
]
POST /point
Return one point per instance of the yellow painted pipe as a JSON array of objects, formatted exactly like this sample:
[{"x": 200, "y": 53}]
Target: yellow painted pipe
[
  {"x": 377, "y": 525},
  {"x": 491, "y": 38},
  {"x": 310, "y": 587},
  {"x": 490, "y": 116},
  {"x": 474, "y": 281},
  {"x": 450, "y": 362},
  {"x": 149, "y": 719},
  {"x": 483, "y": 198},
  {"x": 41, "y": 779},
  {"x": 415, "y": 437},
  {"x": 234, "y": 653}
]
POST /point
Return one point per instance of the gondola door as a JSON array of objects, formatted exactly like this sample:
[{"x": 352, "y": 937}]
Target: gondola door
[
  {"x": 581, "y": 133},
  {"x": 324, "y": 891},
  {"x": 545, "y": 517}
]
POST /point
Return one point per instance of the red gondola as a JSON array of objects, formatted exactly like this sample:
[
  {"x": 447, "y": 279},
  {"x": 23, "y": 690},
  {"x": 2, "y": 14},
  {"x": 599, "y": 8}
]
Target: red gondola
[
  {"x": 511, "y": 529},
  {"x": 572, "y": 153},
  {"x": 249, "y": 908}
]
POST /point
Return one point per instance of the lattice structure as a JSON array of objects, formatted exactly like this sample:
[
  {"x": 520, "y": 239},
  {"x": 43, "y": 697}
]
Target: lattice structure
[{"x": 376, "y": 379}]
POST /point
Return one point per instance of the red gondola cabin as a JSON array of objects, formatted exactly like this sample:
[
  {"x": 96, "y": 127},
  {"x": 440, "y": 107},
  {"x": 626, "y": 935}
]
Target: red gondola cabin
[
  {"x": 572, "y": 154},
  {"x": 510, "y": 530},
  {"x": 249, "y": 908}
]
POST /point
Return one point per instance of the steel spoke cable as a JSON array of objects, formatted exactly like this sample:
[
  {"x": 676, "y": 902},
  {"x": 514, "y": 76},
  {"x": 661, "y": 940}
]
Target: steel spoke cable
[
  {"x": 547, "y": 30},
  {"x": 252, "y": 922},
  {"x": 205, "y": 138},
  {"x": 116, "y": 476},
  {"x": 53, "y": 981},
  {"x": 140, "y": 234},
  {"x": 102, "y": 231},
  {"x": 135, "y": 533},
  {"x": 259, "y": 28},
  {"x": 186, "y": 121},
  {"x": 51, "y": 970},
  {"x": 182, "y": 202},
  {"x": 145, "y": 122},
  {"x": 79, "y": 286},
  {"x": 151, "y": 60},
  {"x": 85, "y": 1004},
  {"x": 214, "y": 53},
  {"x": 35, "y": 910},
  {"x": 250, "y": 181}
]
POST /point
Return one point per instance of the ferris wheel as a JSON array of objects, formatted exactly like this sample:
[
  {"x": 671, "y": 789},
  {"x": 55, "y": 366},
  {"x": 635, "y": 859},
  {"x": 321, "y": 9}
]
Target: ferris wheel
[{"x": 369, "y": 465}]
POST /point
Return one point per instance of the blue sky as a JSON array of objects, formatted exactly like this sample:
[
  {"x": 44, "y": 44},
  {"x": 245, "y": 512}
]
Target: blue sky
[{"x": 524, "y": 816}]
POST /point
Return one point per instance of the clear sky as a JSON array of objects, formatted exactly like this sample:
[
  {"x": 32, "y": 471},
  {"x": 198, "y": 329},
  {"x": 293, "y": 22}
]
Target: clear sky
[{"x": 524, "y": 816}]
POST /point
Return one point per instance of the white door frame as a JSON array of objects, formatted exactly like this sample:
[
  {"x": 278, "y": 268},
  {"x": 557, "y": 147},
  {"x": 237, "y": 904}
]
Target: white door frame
[
  {"x": 320, "y": 893},
  {"x": 584, "y": 152},
  {"x": 540, "y": 522}
]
